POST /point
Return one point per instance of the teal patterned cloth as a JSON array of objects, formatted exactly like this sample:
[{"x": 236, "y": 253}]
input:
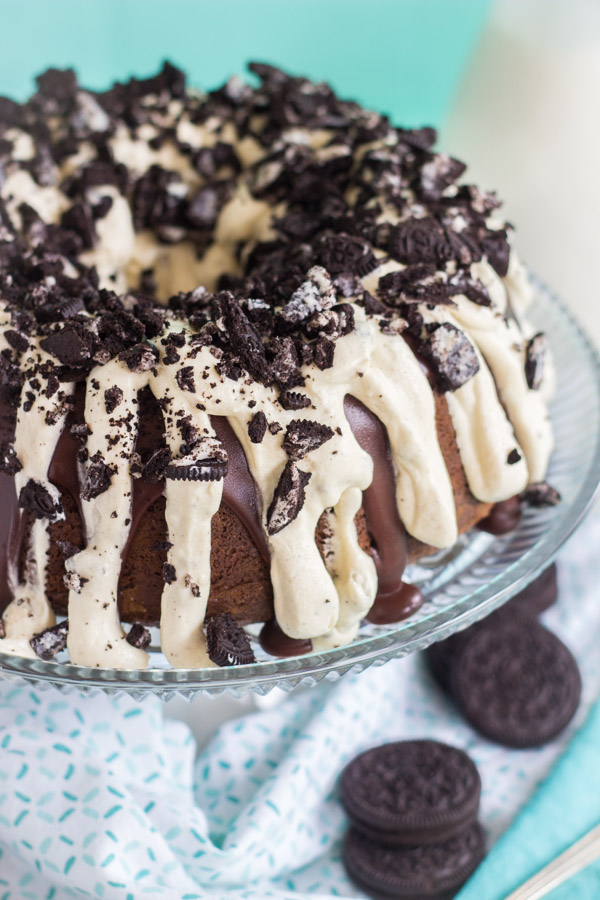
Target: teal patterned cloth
[{"x": 107, "y": 798}]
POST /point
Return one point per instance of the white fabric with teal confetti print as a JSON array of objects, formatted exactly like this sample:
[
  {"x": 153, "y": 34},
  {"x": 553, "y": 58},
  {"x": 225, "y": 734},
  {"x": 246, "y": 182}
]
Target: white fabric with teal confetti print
[{"x": 108, "y": 799}]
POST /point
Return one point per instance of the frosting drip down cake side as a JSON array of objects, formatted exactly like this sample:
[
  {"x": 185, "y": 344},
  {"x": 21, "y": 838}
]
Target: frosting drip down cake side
[{"x": 259, "y": 349}]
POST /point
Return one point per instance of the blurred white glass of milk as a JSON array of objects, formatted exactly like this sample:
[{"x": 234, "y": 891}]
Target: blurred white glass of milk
[{"x": 527, "y": 121}]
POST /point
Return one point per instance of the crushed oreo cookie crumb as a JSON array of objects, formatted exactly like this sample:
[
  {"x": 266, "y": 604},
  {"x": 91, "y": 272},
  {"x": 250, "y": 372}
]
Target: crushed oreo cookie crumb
[
  {"x": 285, "y": 366},
  {"x": 74, "y": 582},
  {"x": 535, "y": 353},
  {"x": 98, "y": 477},
  {"x": 113, "y": 397},
  {"x": 293, "y": 400},
  {"x": 9, "y": 462},
  {"x": 16, "y": 340},
  {"x": 72, "y": 345},
  {"x": 513, "y": 457},
  {"x": 185, "y": 379},
  {"x": 169, "y": 573},
  {"x": 57, "y": 84},
  {"x": 324, "y": 352},
  {"x": 161, "y": 546},
  {"x": 140, "y": 358},
  {"x": 227, "y": 642},
  {"x": 452, "y": 356},
  {"x": 344, "y": 253},
  {"x": 38, "y": 500},
  {"x": 303, "y": 436},
  {"x": 203, "y": 208},
  {"x": 139, "y": 637},
  {"x": 80, "y": 219},
  {"x": 495, "y": 245},
  {"x": 257, "y": 427},
  {"x": 203, "y": 470},
  {"x": 156, "y": 466},
  {"x": 68, "y": 549},
  {"x": 313, "y": 295},
  {"x": 46, "y": 644},
  {"x": 416, "y": 240},
  {"x": 541, "y": 494},
  {"x": 288, "y": 498},
  {"x": 417, "y": 283},
  {"x": 439, "y": 173}
]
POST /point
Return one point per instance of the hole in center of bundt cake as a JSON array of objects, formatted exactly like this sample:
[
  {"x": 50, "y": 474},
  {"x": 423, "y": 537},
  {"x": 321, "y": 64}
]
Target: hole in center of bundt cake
[{"x": 176, "y": 230}]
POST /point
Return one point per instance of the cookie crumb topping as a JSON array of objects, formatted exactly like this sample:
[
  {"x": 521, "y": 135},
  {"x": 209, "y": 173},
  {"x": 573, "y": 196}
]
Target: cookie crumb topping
[{"x": 451, "y": 354}]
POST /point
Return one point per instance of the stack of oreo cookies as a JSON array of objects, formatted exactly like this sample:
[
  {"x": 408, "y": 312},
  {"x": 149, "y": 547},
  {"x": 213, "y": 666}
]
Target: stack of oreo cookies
[
  {"x": 512, "y": 679},
  {"x": 413, "y": 809}
]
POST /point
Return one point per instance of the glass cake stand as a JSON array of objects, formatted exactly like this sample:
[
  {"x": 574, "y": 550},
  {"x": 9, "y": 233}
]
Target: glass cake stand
[{"x": 461, "y": 585}]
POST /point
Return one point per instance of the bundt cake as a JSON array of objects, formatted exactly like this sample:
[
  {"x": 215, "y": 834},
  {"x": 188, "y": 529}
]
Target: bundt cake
[{"x": 259, "y": 349}]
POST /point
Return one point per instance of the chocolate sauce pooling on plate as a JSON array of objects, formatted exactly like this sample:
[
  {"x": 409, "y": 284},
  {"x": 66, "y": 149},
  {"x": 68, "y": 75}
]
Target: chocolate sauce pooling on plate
[
  {"x": 504, "y": 517},
  {"x": 276, "y": 642},
  {"x": 390, "y": 608}
]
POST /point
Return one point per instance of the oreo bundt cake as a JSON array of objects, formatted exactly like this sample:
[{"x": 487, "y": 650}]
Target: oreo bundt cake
[{"x": 259, "y": 349}]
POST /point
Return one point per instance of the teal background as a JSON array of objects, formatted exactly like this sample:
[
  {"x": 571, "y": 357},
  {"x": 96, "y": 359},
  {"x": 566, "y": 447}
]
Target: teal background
[{"x": 403, "y": 57}]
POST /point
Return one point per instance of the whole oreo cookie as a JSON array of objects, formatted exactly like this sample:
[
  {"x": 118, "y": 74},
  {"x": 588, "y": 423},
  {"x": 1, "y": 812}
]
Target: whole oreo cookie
[
  {"x": 539, "y": 595},
  {"x": 533, "y": 600},
  {"x": 421, "y": 872},
  {"x": 516, "y": 682},
  {"x": 440, "y": 658},
  {"x": 411, "y": 792}
]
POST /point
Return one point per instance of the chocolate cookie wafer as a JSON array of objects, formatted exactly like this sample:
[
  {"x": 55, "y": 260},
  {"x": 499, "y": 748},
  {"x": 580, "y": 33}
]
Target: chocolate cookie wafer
[
  {"x": 538, "y": 596},
  {"x": 516, "y": 682},
  {"x": 411, "y": 792},
  {"x": 533, "y": 600},
  {"x": 420, "y": 872},
  {"x": 227, "y": 642}
]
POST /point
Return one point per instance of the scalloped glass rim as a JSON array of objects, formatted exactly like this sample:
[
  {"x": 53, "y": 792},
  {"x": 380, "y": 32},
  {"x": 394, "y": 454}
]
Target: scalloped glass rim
[{"x": 461, "y": 586}]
